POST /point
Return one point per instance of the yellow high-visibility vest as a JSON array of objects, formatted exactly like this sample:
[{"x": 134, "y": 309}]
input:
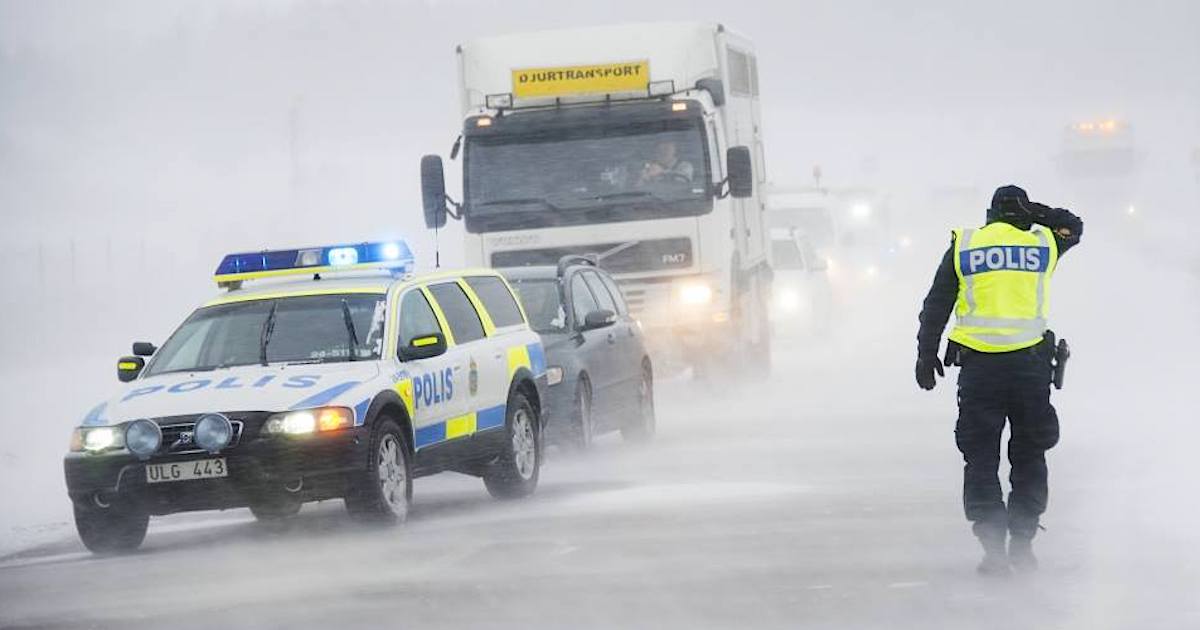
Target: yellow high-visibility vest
[{"x": 1003, "y": 286}]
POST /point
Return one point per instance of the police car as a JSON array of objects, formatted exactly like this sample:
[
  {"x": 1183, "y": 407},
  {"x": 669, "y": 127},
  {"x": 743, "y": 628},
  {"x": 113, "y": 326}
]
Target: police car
[{"x": 343, "y": 377}]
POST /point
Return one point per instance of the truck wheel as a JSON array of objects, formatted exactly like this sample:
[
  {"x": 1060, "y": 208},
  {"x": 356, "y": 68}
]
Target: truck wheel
[
  {"x": 643, "y": 427},
  {"x": 582, "y": 430},
  {"x": 383, "y": 492},
  {"x": 515, "y": 474},
  {"x": 112, "y": 529}
]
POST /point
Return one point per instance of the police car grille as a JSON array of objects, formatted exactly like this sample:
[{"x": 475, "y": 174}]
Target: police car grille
[{"x": 172, "y": 444}]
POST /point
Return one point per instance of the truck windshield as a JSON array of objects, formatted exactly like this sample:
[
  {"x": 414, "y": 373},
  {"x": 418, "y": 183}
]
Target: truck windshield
[
  {"x": 584, "y": 175},
  {"x": 304, "y": 329}
]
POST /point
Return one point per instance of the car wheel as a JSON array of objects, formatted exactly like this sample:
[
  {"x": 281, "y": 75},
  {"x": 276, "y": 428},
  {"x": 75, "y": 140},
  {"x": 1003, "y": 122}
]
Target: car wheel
[
  {"x": 643, "y": 426},
  {"x": 384, "y": 491},
  {"x": 582, "y": 429},
  {"x": 275, "y": 509},
  {"x": 515, "y": 473},
  {"x": 110, "y": 529}
]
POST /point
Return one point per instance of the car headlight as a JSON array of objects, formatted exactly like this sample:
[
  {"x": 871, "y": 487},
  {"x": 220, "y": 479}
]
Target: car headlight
[
  {"x": 788, "y": 301},
  {"x": 695, "y": 293},
  {"x": 307, "y": 421},
  {"x": 213, "y": 432},
  {"x": 554, "y": 375},
  {"x": 143, "y": 437},
  {"x": 95, "y": 439}
]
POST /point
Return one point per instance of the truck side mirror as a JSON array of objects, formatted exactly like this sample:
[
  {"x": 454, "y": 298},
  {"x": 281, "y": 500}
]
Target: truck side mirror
[
  {"x": 715, "y": 89},
  {"x": 144, "y": 349},
  {"x": 128, "y": 368},
  {"x": 433, "y": 191},
  {"x": 741, "y": 172}
]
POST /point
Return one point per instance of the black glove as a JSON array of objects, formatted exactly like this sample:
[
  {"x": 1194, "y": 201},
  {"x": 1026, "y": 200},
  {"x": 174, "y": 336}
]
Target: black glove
[
  {"x": 926, "y": 366},
  {"x": 1038, "y": 211}
]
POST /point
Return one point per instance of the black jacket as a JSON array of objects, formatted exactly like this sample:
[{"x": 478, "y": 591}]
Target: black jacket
[{"x": 939, "y": 302}]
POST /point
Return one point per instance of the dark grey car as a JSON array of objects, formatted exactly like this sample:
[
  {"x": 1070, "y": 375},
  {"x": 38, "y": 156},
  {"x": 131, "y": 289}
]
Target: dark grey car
[{"x": 600, "y": 377}]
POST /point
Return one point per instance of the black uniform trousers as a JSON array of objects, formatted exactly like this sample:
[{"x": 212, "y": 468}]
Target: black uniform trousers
[{"x": 992, "y": 388}]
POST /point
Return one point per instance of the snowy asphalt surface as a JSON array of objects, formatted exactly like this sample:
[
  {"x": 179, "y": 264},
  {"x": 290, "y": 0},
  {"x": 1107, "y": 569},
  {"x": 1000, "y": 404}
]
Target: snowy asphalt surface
[{"x": 818, "y": 508}]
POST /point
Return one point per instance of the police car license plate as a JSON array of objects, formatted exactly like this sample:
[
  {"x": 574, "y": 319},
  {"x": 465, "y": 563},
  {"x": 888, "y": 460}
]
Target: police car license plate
[{"x": 186, "y": 471}]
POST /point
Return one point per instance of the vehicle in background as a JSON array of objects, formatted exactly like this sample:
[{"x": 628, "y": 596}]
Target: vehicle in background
[
  {"x": 639, "y": 144},
  {"x": 315, "y": 388},
  {"x": 802, "y": 299},
  {"x": 598, "y": 374},
  {"x": 1100, "y": 165}
]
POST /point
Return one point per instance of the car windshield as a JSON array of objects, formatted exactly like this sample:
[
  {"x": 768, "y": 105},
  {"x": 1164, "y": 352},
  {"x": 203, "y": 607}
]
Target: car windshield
[
  {"x": 785, "y": 254},
  {"x": 543, "y": 304},
  {"x": 587, "y": 175},
  {"x": 305, "y": 329}
]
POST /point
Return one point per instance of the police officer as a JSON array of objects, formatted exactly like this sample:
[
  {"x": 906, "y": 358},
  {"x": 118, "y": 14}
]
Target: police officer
[{"x": 996, "y": 279}]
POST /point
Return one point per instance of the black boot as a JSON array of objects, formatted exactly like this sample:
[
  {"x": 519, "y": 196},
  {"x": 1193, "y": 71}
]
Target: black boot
[
  {"x": 995, "y": 560},
  {"x": 1020, "y": 554}
]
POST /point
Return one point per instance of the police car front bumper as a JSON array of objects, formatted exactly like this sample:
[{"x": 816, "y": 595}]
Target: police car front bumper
[{"x": 258, "y": 468}]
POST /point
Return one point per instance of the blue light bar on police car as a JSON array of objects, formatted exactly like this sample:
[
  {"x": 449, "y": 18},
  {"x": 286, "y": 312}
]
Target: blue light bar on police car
[{"x": 392, "y": 256}]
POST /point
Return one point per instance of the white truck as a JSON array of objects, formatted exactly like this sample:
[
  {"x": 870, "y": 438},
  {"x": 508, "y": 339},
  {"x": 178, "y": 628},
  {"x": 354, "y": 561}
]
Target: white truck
[{"x": 640, "y": 144}]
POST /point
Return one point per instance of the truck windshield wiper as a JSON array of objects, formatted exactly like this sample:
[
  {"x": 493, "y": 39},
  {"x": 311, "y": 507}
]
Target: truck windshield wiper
[
  {"x": 520, "y": 201},
  {"x": 350, "y": 329},
  {"x": 265, "y": 337}
]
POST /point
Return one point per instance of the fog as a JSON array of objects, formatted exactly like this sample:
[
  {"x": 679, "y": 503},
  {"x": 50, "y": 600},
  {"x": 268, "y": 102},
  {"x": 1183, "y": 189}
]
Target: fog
[{"x": 141, "y": 141}]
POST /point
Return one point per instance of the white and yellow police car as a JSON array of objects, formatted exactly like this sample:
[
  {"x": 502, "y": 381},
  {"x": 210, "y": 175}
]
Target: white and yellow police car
[{"x": 344, "y": 376}]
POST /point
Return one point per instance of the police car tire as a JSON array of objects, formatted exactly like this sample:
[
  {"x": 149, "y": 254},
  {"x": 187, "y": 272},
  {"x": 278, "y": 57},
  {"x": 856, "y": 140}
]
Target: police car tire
[
  {"x": 503, "y": 478},
  {"x": 645, "y": 424},
  {"x": 364, "y": 499},
  {"x": 582, "y": 429},
  {"x": 110, "y": 530}
]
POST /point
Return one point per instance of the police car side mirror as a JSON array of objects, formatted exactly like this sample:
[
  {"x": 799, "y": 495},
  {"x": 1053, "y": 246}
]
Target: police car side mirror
[
  {"x": 144, "y": 349},
  {"x": 433, "y": 191},
  {"x": 128, "y": 368},
  {"x": 741, "y": 172},
  {"x": 424, "y": 347},
  {"x": 601, "y": 318}
]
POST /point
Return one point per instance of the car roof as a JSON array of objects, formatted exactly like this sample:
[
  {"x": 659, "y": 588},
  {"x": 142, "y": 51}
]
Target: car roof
[
  {"x": 377, "y": 283},
  {"x": 542, "y": 272}
]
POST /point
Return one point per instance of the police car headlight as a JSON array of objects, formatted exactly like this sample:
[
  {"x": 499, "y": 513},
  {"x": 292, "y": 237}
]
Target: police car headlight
[
  {"x": 309, "y": 421},
  {"x": 142, "y": 438},
  {"x": 213, "y": 432},
  {"x": 95, "y": 439},
  {"x": 695, "y": 293},
  {"x": 554, "y": 375}
]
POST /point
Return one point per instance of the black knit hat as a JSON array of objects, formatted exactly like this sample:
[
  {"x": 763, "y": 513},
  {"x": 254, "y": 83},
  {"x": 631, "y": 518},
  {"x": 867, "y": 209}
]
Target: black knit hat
[{"x": 1009, "y": 204}]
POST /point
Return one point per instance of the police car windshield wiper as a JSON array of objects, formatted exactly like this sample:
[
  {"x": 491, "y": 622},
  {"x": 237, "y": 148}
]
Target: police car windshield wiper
[
  {"x": 267, "y": 329},
  {"x": 353, "y": 350}
]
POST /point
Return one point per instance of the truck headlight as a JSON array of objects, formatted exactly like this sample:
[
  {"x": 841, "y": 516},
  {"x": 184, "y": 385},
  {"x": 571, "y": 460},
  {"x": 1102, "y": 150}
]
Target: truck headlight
[
  {"x": 788, "y": 301},
  {"x": 143, "y": 437},
  {"x": 554, "y": 375},
  {"x": 695, "y": 293},
  {"x": 309, "y": 421},
  {"x": 213, "y": 432}
]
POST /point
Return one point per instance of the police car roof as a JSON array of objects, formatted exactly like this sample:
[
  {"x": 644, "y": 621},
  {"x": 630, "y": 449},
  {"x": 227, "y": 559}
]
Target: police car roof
[{"x": 339, "y": 283}]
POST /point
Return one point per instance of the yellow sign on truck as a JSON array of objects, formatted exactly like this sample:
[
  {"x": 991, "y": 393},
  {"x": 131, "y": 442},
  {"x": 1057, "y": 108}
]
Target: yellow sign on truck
[{"x": 605, "y": 78}]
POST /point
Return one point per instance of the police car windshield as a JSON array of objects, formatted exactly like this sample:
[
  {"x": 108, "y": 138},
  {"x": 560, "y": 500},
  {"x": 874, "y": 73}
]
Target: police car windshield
[
  {"x": 543, "y": 305},
  {"x": 585, "y": 175},
  {"x": 306, "y": 329}
]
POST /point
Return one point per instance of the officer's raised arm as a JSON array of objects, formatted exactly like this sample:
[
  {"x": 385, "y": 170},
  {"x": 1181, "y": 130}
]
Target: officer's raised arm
[{"x": 1066, "y": 226}]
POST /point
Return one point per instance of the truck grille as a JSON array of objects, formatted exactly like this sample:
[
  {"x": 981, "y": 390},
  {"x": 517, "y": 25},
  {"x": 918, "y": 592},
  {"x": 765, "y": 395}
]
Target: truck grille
[{"x": 627, "y": 257}]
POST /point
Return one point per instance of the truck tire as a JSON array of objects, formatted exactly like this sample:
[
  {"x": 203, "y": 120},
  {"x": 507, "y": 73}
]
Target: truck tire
[
  {"x": 383, "y": 492},
  {"x": 515, "y": 473},
  {"x": 113, "y": 529},
  {"x": 643, "y": 427}
]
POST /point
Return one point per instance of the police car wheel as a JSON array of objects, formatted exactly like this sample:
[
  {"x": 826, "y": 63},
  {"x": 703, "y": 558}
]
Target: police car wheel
[
  {"x": 515, "y": 473},
  {"x": 582, "y": 429},
  {"x": 110, "y": 530},
  {"x": 644, "y": 424},
  {"x": 383, "y": 493}
]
